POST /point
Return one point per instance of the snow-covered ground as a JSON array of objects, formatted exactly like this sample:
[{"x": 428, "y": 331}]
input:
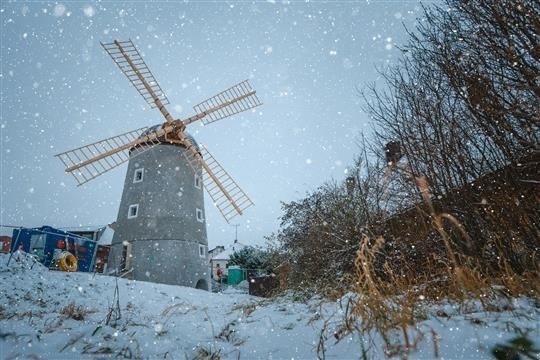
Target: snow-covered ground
[{"x": 46, "y": 314}]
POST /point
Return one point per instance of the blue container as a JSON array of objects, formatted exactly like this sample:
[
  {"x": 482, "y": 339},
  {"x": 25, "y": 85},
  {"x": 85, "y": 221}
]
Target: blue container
[{"x": 45, "y": 242}]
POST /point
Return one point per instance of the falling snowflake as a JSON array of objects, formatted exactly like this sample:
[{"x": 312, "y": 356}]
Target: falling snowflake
[
  {"x": 59, "y": 10},
  {"x": 89, "y": 11}
]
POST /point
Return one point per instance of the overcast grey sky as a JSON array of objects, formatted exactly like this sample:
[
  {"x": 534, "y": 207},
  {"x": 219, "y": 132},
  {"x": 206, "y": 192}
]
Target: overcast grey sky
[{"x": 60, "y": 90}]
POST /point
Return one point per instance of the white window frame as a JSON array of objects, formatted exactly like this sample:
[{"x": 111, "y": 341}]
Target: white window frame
[
  {"x": 202, "y": 251},
  {"x": 137, "y": 172},
  {"x": 198, "y": 181},
  {"x": 132, "y": 207},
  {"x": 199, "y": 214}
]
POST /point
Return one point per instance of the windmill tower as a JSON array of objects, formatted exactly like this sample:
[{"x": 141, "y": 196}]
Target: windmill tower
[{"x": 160, "y": 232}]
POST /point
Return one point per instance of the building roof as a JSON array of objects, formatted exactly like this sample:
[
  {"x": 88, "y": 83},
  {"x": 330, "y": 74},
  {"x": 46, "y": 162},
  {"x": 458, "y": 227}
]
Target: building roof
[
  {"x": 105, "y": 233},
  {"x": 226, "y": 255}
]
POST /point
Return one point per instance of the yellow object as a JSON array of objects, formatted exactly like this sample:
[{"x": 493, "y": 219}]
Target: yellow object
[{"x": 67, "y": 261}]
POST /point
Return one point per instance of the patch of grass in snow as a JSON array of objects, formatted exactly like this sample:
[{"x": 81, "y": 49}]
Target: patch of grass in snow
[
  {"x": 229, "y": 334},
  {"x": 75, "y": 312},
  {"x": 203, "y": 353}
]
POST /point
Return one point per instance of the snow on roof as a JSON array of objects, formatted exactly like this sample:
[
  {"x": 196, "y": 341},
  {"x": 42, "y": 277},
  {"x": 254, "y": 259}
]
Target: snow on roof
[
  {"x": 106, "y": 236},
  {"x": 226, "y": 255},
  {"x": 105, "y": 233}
]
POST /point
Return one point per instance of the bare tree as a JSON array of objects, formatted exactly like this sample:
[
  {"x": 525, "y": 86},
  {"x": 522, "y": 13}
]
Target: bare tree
[
  {"x": 489, "y": 51},
  {"x": 463, "y": 105},
  {"x": 464, "y": 99}
]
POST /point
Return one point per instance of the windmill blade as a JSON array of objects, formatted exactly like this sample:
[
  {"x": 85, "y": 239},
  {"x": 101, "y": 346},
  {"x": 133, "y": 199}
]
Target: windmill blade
[
  {"x": 238, "y": 98},
  {"x": 88, "y": 162},
  {"x": 225, "y": 193},
  {"x": 131, "y": 63}
]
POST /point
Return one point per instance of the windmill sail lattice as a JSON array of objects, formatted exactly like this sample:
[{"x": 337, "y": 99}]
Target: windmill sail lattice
[
  {"x": 89, "y": 161},
  {"x": 122, "y": 52},
  {"x": 225, "y": 193},
  {"x": 238, "y": 98}
]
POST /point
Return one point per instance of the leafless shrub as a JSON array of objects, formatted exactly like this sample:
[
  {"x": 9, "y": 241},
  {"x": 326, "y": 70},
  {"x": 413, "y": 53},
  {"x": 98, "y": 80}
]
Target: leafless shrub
[
  {"x": 319, "y": 234},
  {"x": 229, "y": 334}
]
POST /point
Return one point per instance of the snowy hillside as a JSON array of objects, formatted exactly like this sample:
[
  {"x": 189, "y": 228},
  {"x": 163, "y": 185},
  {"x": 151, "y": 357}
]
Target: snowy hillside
[{"x": 56, "y": 315}]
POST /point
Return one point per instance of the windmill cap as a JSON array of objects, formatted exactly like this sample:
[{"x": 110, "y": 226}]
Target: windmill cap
[{"x": 162, "y": 140}]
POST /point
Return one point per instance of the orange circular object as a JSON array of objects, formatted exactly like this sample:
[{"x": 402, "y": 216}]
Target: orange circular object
[{"x": 67, "y": 261}]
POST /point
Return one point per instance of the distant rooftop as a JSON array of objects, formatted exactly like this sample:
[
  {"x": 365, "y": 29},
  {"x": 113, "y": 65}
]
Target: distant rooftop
[{"x": 229, "y": 250}]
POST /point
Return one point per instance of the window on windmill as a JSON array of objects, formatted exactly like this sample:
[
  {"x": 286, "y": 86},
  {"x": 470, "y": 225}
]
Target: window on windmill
[
  {"x": 200, "y": 215},
  {"x": 138, "y": 175},
  {"x": 126, "y": 256},
  {"x": 197, "y": 181},
  {"x": 133, "y": 211},
  {"x": 202, "y": 251}
]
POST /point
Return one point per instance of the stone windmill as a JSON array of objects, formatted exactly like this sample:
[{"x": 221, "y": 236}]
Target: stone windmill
[{"x": 160, "y": 232}]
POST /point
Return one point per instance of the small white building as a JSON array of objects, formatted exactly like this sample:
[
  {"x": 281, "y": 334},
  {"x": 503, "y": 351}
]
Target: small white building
[{"x": 221, "y": 256}]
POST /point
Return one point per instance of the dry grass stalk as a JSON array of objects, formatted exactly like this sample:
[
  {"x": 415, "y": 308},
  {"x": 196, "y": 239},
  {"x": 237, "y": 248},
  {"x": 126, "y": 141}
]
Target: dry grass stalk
[
  {"x": 74, "y": 312},
  {"x": 376, "y": 307}
]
